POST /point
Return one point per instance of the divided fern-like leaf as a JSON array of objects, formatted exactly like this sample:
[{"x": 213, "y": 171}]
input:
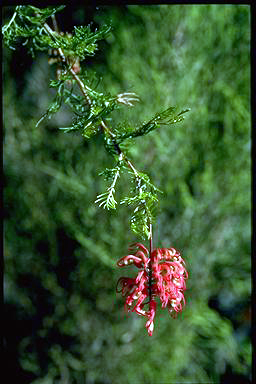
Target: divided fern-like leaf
[
  {"x": 167, "y": 117},
  {"x": 144, "y": 212},
  {"x": 27, "y": 24},
  {"x": 145, "y": 203},
  {"x": 107, "y": 199},
  {"x": 55, "y": 104}
]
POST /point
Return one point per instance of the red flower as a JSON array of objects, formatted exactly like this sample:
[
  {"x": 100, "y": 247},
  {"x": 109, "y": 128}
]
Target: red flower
[{"x": 161, "y": 274}]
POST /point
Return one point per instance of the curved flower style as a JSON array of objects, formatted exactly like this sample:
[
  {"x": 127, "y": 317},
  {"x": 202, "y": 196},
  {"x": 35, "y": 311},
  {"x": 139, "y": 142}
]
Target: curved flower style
[{"x": 161, "y": 274}]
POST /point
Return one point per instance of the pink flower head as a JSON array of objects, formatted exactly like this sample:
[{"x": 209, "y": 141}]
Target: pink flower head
[{"x": 161, "y": 274}]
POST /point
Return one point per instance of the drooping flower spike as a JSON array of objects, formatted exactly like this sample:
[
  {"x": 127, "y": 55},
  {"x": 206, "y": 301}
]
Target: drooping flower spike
[{"x": 161, "y": 274}]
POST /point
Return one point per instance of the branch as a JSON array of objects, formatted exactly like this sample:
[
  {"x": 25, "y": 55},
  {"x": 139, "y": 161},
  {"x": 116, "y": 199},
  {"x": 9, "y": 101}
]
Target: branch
[
  {"x": 123, "y": 98},
  {"x": 141, "y": 221}
]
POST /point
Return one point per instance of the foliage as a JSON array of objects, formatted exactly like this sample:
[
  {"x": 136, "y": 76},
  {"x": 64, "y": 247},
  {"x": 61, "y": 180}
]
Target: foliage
[
  {"x": 166, "y": 117},
  {"x": 28, "y": 22},
  {"x": 64, "y": 322},
  {"x": 93, "y": 108}
]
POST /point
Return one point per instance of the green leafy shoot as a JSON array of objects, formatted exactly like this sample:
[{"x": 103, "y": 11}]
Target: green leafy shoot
[
  {"x": 145, "y": 201},
  {"x": 85, "y": 126},
  {"x": 91, "y": 109},
  {"x": 83, "y": 41},
  {"x": 76, "y": 102},
  {"x": 27, "y": 25},
  {"x": 142, "y": 182},
  {"x": 144, "y": 212},
  {"x": 89, "y": 118},
  {"x": 167, "y": 117}
]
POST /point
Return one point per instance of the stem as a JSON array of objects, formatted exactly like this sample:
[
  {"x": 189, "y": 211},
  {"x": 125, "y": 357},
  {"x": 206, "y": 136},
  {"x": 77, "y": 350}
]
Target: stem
[
  {"x": 150, "y": 262},
  {"x": 81, "y": 85},
  {"x": 117, "y": 174},
  {"x": 106, "y": 129},
  {"x": 12, "y": 19}
]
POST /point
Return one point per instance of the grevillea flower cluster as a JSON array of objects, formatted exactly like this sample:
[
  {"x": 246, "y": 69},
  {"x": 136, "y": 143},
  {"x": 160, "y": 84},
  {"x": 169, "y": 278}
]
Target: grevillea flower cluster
[{"x": 161, "y": 274}]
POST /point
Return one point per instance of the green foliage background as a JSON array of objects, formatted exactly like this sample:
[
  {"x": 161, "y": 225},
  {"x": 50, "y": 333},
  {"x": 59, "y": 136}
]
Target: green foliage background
[{"x": 65, "y": 322}]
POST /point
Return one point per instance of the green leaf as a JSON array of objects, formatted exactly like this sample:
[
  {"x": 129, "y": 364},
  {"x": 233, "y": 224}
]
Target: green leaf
[
  {"x": 142, "y": 180},
  {"x": 55, "y": 104},
  {"x": 145, "y": 203},
  {"x": 107, "y": 199},
  {"x": 26, "y": 25},
  {"x": 167, "y": 117},
  {"x": 143, "y": 213},
  {"x": 87, "y": 127},
  {"x": 81, "y": 43}
]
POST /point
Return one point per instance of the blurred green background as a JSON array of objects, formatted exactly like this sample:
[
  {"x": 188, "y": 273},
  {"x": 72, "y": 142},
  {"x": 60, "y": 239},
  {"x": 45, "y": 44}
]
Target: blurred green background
[{"x": 64, "y": 322}]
